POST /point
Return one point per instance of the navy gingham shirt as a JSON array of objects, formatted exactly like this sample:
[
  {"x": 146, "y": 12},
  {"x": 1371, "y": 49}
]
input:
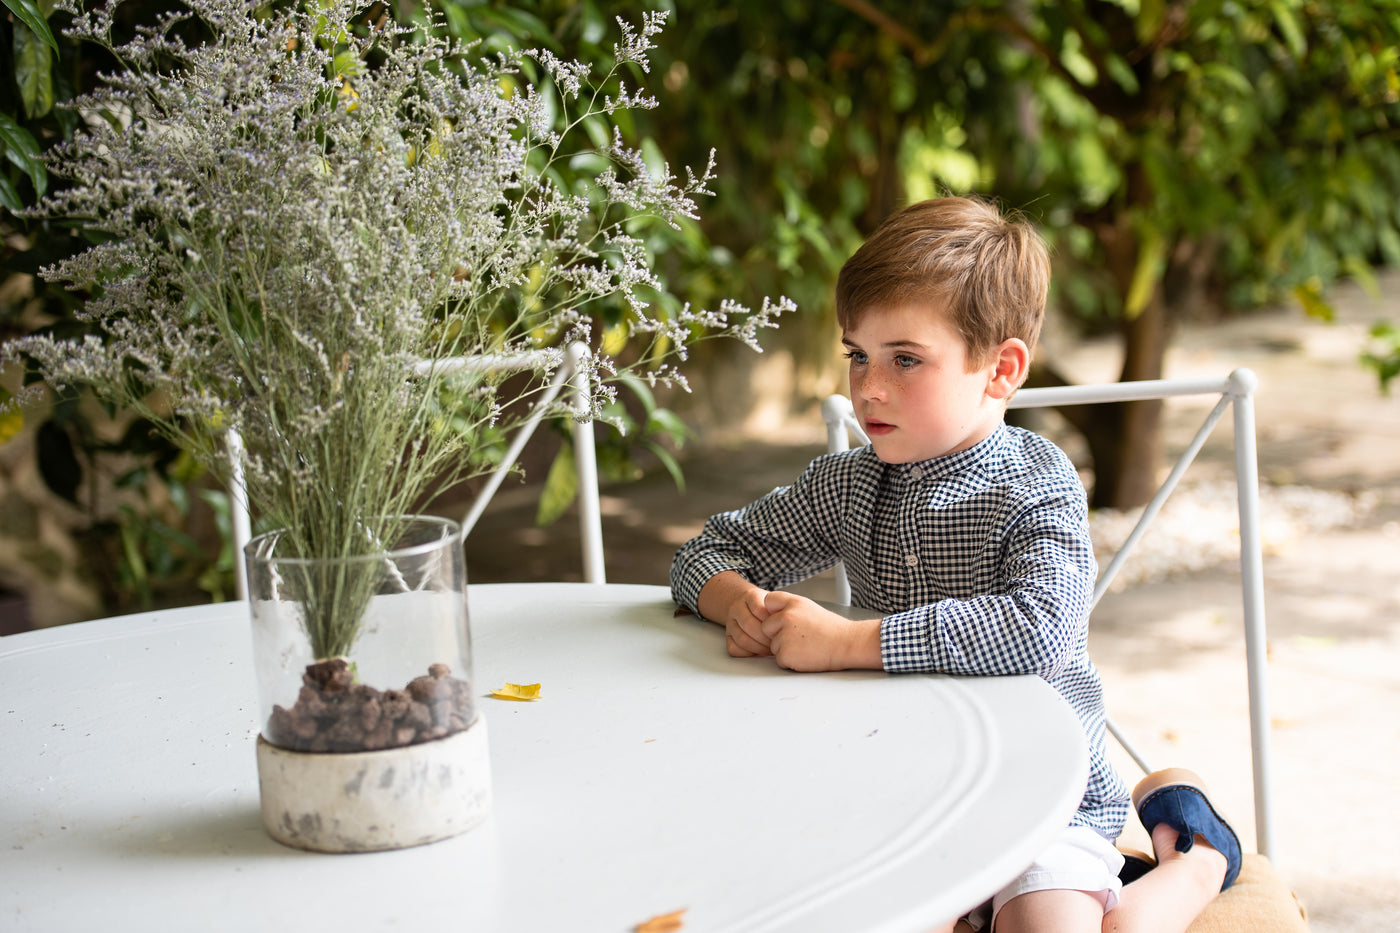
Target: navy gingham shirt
[{"x": 980, "y": 560}]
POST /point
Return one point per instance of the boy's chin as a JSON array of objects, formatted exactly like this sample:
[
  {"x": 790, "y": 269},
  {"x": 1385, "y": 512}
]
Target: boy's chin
[{"x": 893, "y": 456}]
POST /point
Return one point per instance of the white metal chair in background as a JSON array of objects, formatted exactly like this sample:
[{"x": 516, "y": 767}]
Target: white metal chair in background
[
  {"x": 1259, "y": 899},
  {"x": 569, "y": 373}
]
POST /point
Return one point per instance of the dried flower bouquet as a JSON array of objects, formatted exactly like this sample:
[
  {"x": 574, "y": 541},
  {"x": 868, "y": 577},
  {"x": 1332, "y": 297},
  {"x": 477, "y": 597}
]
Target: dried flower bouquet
[{"x": 304, "y": 212}]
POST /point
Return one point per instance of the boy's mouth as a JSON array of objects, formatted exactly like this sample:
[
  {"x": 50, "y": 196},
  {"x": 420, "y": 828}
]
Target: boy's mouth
[{"x": 874, "y": 427}]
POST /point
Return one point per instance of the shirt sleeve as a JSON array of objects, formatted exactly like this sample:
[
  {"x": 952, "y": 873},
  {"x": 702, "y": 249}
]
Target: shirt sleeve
[
  {"x": 776, "y": 541},
  {"x": 1034, "y": 622}
]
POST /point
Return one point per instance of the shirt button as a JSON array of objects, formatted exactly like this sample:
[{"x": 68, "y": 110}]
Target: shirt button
[
  {"x": 916, "y": 474},
  {"x": 911, "y": 559}
]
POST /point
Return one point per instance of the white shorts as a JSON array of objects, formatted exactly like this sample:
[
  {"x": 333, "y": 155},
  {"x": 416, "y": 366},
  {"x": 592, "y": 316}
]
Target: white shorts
[{"x": 1078, "y": 860}]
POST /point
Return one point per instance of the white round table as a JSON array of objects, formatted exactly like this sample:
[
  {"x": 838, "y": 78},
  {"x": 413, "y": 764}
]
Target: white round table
[{"x": 654, "y": 774}]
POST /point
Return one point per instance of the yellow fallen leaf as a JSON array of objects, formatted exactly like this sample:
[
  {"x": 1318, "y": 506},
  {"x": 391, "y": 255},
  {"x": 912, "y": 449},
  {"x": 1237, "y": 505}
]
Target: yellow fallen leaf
[
  {"x": 517, "y": 692},
  {"x": 662, "y": 923}
]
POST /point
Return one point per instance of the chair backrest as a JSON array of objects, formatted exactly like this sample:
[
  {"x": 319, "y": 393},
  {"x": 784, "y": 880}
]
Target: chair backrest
[
  {"x": 571, "y": 372},
  {"x": 1236, "y": 392}
]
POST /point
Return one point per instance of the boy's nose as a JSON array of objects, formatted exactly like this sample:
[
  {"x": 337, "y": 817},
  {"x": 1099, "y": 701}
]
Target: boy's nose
[{"x": 868, "y": 385}]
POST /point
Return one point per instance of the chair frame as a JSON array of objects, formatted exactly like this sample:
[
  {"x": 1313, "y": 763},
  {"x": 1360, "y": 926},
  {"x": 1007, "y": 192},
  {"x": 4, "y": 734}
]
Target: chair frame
[
  {"x": 1236, "y": 391},
  {"x": 570, "y": 372}
]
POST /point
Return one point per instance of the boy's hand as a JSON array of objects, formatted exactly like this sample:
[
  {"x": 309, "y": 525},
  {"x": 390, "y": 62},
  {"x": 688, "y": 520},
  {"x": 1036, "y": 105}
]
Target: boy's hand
[
  {"x": 805, "y": 637},
  {"x": 735, "y": 603}
]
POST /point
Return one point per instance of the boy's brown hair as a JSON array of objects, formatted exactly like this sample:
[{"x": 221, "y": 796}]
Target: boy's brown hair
[{"x": 991, "y": 273}]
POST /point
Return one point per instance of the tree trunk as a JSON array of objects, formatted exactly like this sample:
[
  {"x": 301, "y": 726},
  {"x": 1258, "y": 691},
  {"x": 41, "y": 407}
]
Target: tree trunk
[{"x": 1125, "y": 439}]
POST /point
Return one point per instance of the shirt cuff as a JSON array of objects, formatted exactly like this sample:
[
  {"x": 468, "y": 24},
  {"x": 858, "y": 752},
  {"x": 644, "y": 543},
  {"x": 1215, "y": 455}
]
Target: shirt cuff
[{"x": 904, "y": 642}]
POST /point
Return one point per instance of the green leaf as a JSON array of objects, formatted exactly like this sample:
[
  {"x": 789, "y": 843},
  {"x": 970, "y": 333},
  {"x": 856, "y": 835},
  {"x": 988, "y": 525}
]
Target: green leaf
[
  {"x": 560, "y": 488},
  {"x": 22, "y": 150},
  {"x": 519, "y": 24},
  {"x": 1149, "y": 19},
  {"x": 670, "y": 463},
  {"x": 1383, "y": 354},
  {"x": 33, "y": 72},
  {"x": 666, "y": 422},
  {"x": 28, "y": 12},
  {"x": 1360, "y": 270},
  {"x": 1122, "y": 75},
  {"x": 1152, "y": 259},
  {"x": 641, "y": 390},
  {"x": 9, "y": 197},
  {"x": 1228, "y": 76},
  {"x": 134, "y": 563},
  {"x": 347, "y": 65},
  {"x": 11, "y": 417},
  {"x": 1309, "y": 295},
  {"x": 1288, "y": 25}
]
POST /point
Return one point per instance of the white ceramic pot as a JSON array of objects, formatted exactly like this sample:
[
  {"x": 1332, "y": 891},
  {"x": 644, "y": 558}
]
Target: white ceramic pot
[{"x": 368, "y": 801}]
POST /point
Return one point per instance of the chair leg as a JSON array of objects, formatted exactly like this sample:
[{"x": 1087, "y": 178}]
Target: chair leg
[{"x": 590, "y": 519}]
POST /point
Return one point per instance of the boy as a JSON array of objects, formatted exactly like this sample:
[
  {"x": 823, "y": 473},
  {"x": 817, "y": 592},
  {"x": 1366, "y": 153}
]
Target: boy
[{"x": 969, "y": 536}]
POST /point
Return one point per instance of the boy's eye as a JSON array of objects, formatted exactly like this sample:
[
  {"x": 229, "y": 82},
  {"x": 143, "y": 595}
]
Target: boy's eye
[
  {"x": 857, "y": 356},
  {"x": 905, "y": 362}
]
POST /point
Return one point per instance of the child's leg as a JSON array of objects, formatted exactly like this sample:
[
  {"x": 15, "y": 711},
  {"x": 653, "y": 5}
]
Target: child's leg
[
  {"x": 1067, "y": 889},
  {"x": 1174, "y": 808},
  {"x": 1168, "y": 898},
  {"x": 1057, "y": 911}
]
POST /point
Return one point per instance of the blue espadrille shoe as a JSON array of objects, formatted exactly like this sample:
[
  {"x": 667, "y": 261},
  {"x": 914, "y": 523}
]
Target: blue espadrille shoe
[{"x": 1177, "y": 797}]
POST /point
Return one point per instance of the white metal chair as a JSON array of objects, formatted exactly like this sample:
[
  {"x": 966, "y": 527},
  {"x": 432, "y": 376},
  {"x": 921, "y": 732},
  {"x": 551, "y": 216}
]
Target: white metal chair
[
  {"x": 570, "y": 372},
  {"x": 1235, "y": 391}
]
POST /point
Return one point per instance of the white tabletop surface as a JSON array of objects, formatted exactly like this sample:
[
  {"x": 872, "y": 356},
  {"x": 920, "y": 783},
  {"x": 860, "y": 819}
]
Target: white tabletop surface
[{"x": 656, "y": 773}]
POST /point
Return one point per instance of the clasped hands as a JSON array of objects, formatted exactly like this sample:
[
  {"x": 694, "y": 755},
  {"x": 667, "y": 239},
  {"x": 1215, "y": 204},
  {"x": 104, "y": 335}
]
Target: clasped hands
[{"x": 799, "y": 634}]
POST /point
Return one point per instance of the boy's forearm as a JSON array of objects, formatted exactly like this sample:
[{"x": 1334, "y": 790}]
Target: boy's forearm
[
  {"x": 719, "y": 593},
  {"x": 862, "y": 651}
]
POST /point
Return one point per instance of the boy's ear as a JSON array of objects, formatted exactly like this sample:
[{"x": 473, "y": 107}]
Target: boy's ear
[{"x": 1011, "y": 364}]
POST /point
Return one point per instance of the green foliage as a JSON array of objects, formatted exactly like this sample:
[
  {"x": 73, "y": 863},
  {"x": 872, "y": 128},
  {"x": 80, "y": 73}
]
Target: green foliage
[
  {"x": 1382, "y": 353},
  {"x": 1183, "y": 158},
  {"x": 136, "y": 545},
  {"x": 640, "y": 426},
  {"x": 1259, "y": 133},
  {"x": 1245, "y": 149}
]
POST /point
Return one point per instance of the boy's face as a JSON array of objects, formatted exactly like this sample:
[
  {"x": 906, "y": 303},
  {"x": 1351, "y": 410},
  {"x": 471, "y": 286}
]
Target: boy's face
[{"x": 911, "y": 387}]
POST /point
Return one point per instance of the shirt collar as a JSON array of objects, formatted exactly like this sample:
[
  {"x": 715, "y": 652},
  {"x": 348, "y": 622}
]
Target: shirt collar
[{"x": 981, "y": 457}]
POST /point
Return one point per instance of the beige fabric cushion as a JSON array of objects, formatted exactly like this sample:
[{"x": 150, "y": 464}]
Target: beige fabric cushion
[{"x": 1258, "y": 902}]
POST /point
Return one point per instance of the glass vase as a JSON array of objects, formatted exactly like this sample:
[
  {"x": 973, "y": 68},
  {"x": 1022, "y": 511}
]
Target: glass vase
[{"x": 370, "y": 735}]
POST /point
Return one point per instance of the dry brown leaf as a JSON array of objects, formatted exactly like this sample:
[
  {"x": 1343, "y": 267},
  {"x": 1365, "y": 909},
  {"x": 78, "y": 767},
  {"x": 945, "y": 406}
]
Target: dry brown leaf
[
  {"x": 517, "y": 692},
  {"x": 662, "y": 923}
]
